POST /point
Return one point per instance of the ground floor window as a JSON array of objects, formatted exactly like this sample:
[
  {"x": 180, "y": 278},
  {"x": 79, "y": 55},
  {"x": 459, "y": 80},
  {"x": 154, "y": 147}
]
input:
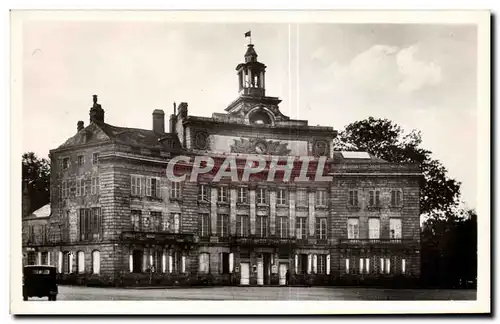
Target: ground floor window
[
  {"x": 301, "y": 263},
  {"x": 67, "y": 264},
  {"x": 31, "y": 258},
  {"x": 96, "y": 262},
  {"x": 321, "y": 266},
  {"x": 204, "y": 263},
  {"x": 385, "y": 265},
  {"x": 45, "y": 258},
  {"x": 80, "y": 261}
]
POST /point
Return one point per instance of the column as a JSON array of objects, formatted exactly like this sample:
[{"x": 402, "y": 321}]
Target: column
[
  {"x": 213, "y": 210},
  {"x": 145, "y": 260},
  {"x": 232, "y": 211},
  {"x": 252, "y": 211},
  {"x": 296, "y": 264},
  {"x": 311, "y": 213},
  {"x": 263, "y": 79},
  {"x": 170, "y": 262},
  {"x": 328, "y": 264},
  {"x": 131, "y": 262},
  {"x": 164, "y": 262},
  {"x": 48, "y": 258},
  {"x": 309, "y": 263},
  {"x": 315, "y": 263},
  {"x": 292, "y": 200},
  {"x": 39, "y": 258},
  {"x": 250, "y": 77},
  {"x": 272, "y": 208}
]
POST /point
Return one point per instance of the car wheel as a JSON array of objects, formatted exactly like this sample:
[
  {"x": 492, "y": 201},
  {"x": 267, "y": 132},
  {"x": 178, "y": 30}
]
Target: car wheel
[{"x": 25, "y": 298}]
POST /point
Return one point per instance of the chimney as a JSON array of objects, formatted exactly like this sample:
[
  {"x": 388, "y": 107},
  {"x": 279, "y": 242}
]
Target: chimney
[
  {"x": 173, "y": 120},
  {"x": 96, "y": 112},
  {"x": 158, "y": 121},
  {"x": 183, "y": 109},
  {"x": 79, "y": 125}
]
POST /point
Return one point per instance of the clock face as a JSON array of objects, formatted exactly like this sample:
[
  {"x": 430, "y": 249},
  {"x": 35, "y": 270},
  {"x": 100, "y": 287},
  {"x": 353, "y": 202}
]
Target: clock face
[{"x": 260, "y": 148}]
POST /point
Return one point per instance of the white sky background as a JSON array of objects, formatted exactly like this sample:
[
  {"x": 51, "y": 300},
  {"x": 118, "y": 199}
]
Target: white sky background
[{"x": 420, "y": 76}]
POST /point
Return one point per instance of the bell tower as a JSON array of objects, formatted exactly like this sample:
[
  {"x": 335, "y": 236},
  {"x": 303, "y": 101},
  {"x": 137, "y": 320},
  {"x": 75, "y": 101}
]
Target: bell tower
[{"x": 251, "y": 75}]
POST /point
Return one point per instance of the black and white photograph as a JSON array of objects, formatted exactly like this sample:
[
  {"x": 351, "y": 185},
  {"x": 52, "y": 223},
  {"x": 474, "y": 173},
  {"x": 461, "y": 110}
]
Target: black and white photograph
[{"x": 333, "y": 160}]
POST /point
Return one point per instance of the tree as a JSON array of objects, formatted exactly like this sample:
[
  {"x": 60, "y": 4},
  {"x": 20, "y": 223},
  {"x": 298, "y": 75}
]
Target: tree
[
  {"x": 36, "y": 178},
  {"x": 449, "y": 249},
  {"x": 387, "y": 140}
]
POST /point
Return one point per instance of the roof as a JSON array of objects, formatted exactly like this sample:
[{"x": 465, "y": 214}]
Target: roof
[
  {"x": 137, "y": 136},
  {"x": 43, "y": 211}
]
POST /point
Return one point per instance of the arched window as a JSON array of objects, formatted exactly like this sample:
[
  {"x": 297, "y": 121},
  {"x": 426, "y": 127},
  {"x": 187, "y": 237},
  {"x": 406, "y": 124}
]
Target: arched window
[
  {"x": 96, "y": 262},
  {"x": 260, "y": 117},
  {"x": 80, "y": 257}
]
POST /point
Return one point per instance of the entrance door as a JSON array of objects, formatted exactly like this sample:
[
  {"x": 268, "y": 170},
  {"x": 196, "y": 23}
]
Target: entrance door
[
  {"x": 245, "y": 273},
  {"x": 283, "y": 268},
  {"x": 260, "y": 272}
]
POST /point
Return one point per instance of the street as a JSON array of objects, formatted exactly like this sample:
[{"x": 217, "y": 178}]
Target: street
[{"x": 261, "y": 293}]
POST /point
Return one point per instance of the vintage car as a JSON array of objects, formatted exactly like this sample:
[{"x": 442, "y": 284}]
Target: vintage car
[{"x": 40, "y": 281}]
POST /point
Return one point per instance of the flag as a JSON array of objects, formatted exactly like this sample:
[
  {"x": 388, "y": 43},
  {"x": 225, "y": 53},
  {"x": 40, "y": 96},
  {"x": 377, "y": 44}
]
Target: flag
[{"x": 248, "y": 34}]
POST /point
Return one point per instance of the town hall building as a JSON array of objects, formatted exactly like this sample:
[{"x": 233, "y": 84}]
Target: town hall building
[{"x": 114, "y": 212}]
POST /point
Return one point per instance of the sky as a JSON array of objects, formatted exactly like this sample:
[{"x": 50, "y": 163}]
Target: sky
[{"x": 420, "y": 76}]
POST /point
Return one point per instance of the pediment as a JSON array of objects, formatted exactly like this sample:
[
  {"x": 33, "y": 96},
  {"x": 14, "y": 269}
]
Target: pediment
[{"x": 89, "y": 134}]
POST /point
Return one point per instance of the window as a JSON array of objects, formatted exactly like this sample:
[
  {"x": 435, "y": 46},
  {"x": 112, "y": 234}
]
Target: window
[
  {"x": 396, "y": 197},
  {"x": 385, "y": 265},
  {"x": 374, "y": 228},
  {"x": 321, "y": 198},
  {"x": 204, "y": 224},
  {"x": 136, "y": 219},
  {"x": 364, "y": 265},
  {"x": 261, "y": 195},
  {"x": 321, "y": 226},
  {"x": 67, "y": 263},
  {"x": 242, "y": 225},
  {"x": 81, "y": 160},
  {"x": 31, "y": 258},
  {"x": 153, "y": 187},
  {"x": 80, "y": 187},
  {"x": 282, "y": 227},
  {"x": 353, "y": 228},
  {"x": 242, "y": 195},
  {"x": 136, "y": 185},
  {"x": 65, "y": 189},
  {"x": 95, "y": 158},
  {"x": 80, "y": 262},
  {"x": 94, "y": 189},
  {"x": 174, "y": 223},
  {"x": 96, "y": 262},
  {"x": 203, "y": 192},
  {"x": 223, "y": 194},
  {"x": 176, "y": 190},
  {"x": 353, "y": 198},
  {"x": 223, "y": 225},
  {"x": 155, "y": 221},
  {"x": 281, "y": 197},
  {"x": 65, "y": 163},
  {"x": 261, "y": 226},
  {"x": 45, "y": 258},
  {"x": 204, "y": 264},
  {"x": 90, "y": 224},
  {"x": 301, "y": 227},
  {"x": 395, "y": 228},
  {"x": 374, "y": 198},
  {"x": 321, "y": 267},
  {"x": 301, "y": 197}
]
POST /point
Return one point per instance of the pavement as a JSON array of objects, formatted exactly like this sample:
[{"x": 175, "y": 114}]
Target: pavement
[{"x": 262, "y": 293}]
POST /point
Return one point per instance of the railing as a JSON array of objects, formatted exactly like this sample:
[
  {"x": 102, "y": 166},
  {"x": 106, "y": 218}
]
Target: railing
[
  {"x": 157, "y": 237},
  {"x": 262, "y": 241},
  {"x": 375, "y": 241}
]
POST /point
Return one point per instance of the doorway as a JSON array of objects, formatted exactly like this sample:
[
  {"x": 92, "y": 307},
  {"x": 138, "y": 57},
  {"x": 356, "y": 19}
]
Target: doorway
[
  {"x": 137, "y": 259},
  {"x": 245, "y": 273}
]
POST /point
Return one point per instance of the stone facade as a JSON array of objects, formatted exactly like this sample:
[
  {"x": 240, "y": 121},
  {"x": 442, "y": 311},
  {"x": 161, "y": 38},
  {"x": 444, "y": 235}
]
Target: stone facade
[{"x": 114, "y": 212}]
